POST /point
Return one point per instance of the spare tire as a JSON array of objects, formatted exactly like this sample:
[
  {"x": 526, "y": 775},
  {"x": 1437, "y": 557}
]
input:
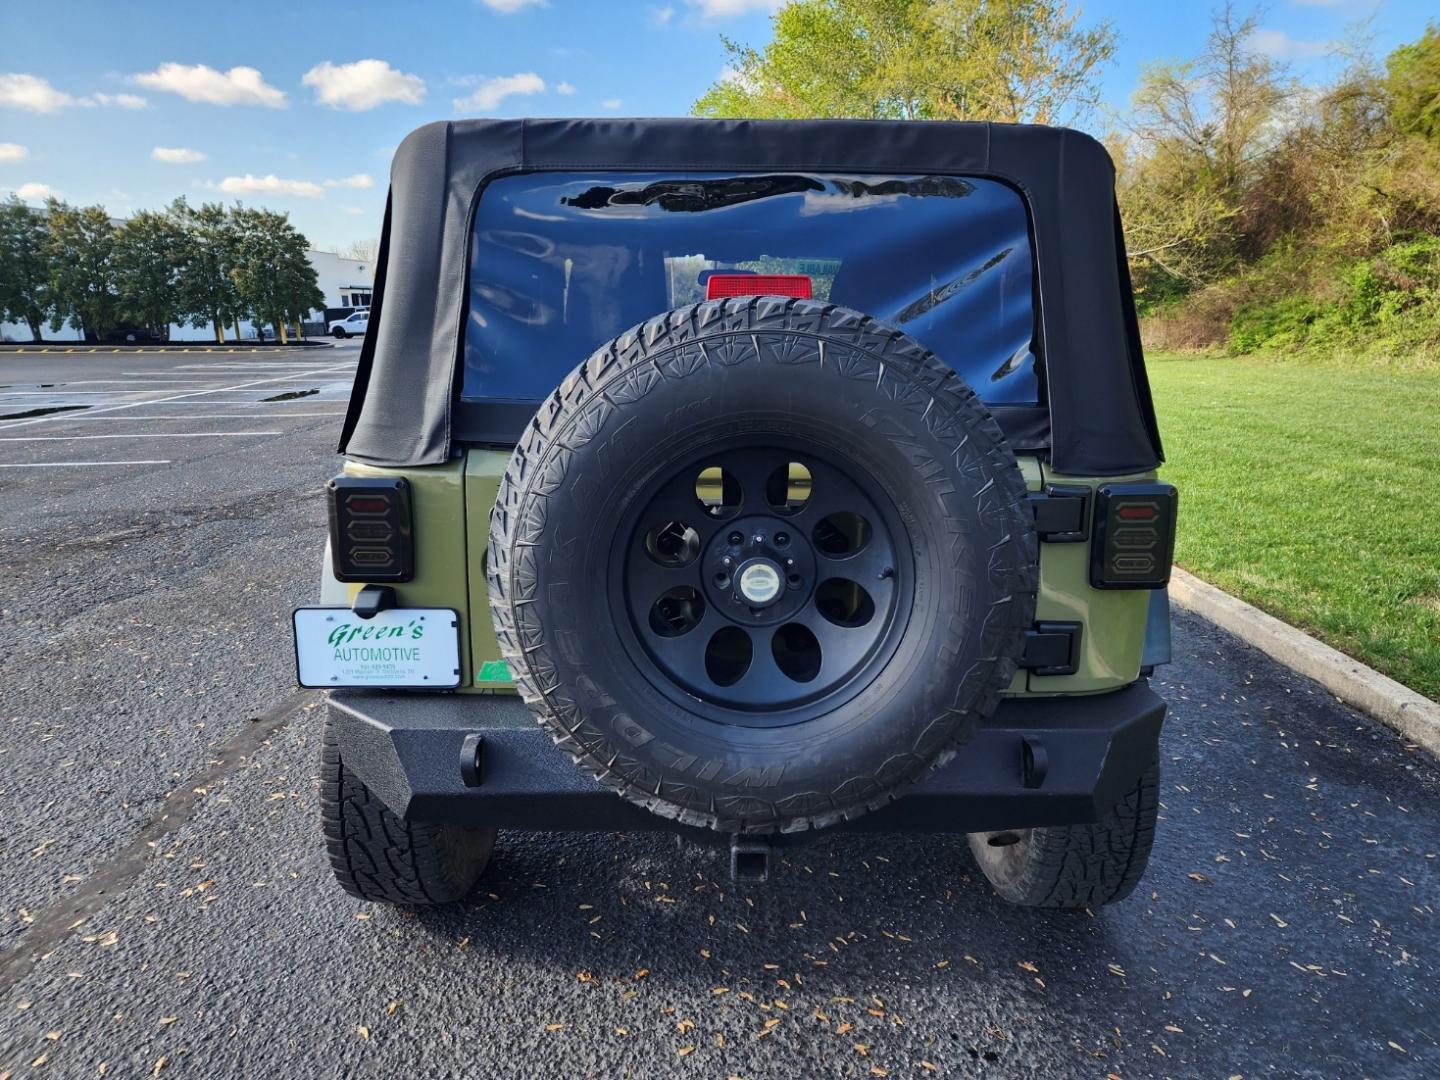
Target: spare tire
[{"x": 760, "y": 564}]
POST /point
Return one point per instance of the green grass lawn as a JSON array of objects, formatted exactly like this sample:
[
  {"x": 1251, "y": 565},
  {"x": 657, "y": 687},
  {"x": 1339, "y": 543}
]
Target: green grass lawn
[{"x": 1313, "y": 491}]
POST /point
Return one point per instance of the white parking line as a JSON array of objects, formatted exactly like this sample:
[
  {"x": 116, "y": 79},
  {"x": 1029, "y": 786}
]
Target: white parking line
[
  {"x": 279, "y": 408},
  {"x": 326, "y": 369},
  {"x": 138, "y": 376},
  {"x": 198, "y": 390},
  {"x": 75, "y": 464},
  {"x": 239, "y": 367},
  {"x": 213, "y": 416},
  {"x": 166, "y": 388},
  {"x": 137, "y": 435}
]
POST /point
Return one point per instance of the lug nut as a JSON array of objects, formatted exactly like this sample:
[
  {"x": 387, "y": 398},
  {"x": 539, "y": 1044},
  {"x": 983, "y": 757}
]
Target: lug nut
[
  {"x": 782, "y": 538},
  {"x": 759, "y": 539},
  {"x": 736, "y": 538}
]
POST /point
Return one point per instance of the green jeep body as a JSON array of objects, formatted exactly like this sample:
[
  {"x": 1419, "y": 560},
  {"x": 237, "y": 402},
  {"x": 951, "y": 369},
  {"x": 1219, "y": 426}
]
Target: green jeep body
[{"x": 452, "y": 504}]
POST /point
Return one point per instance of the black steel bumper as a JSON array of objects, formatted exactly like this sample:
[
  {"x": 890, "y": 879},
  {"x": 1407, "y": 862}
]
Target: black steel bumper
[{"x": 482, "y": 759}]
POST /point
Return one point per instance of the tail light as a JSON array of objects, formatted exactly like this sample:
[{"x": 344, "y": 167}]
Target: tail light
[
  {"x": 1134, "y": 539},
  {"x": 719, "y": 286},
  {"x": 371, "y": 538}
]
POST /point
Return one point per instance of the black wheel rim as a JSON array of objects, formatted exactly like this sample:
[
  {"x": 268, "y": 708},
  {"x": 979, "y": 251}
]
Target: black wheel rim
[{"x": 762, "y": 584}]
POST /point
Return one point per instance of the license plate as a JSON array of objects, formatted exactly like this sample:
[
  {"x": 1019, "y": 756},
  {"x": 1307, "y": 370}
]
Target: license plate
[{"x": 395, "y": 647}]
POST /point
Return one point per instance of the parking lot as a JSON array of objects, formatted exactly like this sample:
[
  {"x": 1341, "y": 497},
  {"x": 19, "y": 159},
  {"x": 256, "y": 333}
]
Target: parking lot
[
  {"x": 65, "y": 412},
  {"x": 166, "y": 908}
]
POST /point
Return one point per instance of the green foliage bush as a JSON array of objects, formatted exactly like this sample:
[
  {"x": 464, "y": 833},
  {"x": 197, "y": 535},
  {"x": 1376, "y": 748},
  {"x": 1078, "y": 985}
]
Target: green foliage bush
[
  {"x": 1403, "y": 278},
  {"x": 1274, "y": 324},
  {"x": 1386, "y": 300}
]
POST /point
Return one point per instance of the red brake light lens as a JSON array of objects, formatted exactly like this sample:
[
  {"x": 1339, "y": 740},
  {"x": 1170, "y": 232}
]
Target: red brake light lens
[
  {"x": 1141, "y": 512},
  {"x": 719, "y": 286},
  {"x": 358, "y": 504}
]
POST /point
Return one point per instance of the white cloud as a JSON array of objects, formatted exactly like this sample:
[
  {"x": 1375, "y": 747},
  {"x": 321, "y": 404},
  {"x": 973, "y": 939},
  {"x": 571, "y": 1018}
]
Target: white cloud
[
  {"x": 611, "y": 103},
  {"x": 564, "y": 88},
  {"x": 123, "y": 101},
  {"x": 724, "y": 9},
  {"x": 489, "y": 94},
  {"x": 353, "y": 211},
  {"x": 11, "y": 152},
  {"x": 1282, "y": 46},
  {"x": 270, "y": 185},
  {"x": 176, "y": 155},
  {"x": 33, "y": 93},
  {"x": 37, "y": 95},
  {"x": 36, "y": 192},
  {"x": 363, "y": 85},
  {"x": 199, "y": 82},
  {"x": 661, "y": 16},
  {"x": 359, "y": 181},
  {"x": 510, "y": 7}
]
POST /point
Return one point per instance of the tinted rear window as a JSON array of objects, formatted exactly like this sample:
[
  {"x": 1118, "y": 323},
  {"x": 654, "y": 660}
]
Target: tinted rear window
[{"x": 562, "y": 262}]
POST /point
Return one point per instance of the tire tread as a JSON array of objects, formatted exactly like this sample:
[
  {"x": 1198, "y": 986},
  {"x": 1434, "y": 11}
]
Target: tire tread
[
  {"x": 375, "y": 855},
  {"x": 1087, "y": 865}
]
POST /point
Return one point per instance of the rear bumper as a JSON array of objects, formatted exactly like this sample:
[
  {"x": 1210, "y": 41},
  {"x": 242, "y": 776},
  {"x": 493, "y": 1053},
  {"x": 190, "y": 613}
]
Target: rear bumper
[{"x": 1054, "y": 761}]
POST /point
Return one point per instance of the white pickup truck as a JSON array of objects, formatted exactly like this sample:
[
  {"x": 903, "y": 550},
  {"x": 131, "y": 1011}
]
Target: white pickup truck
[{"x": 355, "y": 323}]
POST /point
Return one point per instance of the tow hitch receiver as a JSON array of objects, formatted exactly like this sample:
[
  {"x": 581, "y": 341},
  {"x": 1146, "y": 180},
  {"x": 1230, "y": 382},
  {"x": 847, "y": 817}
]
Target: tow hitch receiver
[{"x": 750, "y": 860}]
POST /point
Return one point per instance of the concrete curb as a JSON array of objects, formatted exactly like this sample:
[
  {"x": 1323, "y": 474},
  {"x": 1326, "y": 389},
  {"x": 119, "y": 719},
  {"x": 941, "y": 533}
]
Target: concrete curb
[{"x": 1415, "y": 717}]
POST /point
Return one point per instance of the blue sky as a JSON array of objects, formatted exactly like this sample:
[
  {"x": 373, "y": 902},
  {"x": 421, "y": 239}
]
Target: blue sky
[{"x": 298, "y": 105}]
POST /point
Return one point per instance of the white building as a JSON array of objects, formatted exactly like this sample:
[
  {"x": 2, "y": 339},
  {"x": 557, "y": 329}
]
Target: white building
[{"x": 346, "y": 283}]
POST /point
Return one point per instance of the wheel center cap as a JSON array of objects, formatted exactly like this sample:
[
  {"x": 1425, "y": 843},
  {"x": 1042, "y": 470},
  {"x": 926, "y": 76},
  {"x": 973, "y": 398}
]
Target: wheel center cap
[{"x": 760, "y": 582}]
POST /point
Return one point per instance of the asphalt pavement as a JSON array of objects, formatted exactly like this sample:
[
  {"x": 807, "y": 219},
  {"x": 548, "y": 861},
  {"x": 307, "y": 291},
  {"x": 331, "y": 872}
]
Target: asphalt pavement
[{"x": 166, "y": 908}]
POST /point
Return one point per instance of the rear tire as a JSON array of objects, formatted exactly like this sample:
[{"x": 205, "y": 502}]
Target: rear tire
[
  {"x": 339, "y": 332},
  {"x": 1075, "y": 866},
  {"x": 377, "y": 856}
]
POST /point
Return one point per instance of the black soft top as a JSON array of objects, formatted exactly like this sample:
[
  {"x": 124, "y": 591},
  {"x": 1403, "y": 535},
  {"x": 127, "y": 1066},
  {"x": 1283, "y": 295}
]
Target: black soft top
[{"x": 1097, "y": 416}]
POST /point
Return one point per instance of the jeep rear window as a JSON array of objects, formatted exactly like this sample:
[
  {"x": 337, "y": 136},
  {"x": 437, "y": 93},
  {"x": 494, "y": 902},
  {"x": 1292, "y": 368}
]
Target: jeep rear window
[{"x": 563, "y": 261}]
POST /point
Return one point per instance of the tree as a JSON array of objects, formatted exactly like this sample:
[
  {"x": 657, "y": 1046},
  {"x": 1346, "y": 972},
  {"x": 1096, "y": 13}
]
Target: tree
[
  {"x": 273, "y": 276},
  {"x": 1008, "y": 60},
  {"x": 205, "y": 283},
  {"x": 361, "y": 250},
  {"x": 1413, "y": 84},
  {"x": 150, "y": 252},
  {"x": 24, "y": 272},
  {"x": 1201, "y": 132},
  {"x": 80, "y": 250},
  {"x": 1179, "y": 224},
  {"x": 1219, "y": 109}
]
